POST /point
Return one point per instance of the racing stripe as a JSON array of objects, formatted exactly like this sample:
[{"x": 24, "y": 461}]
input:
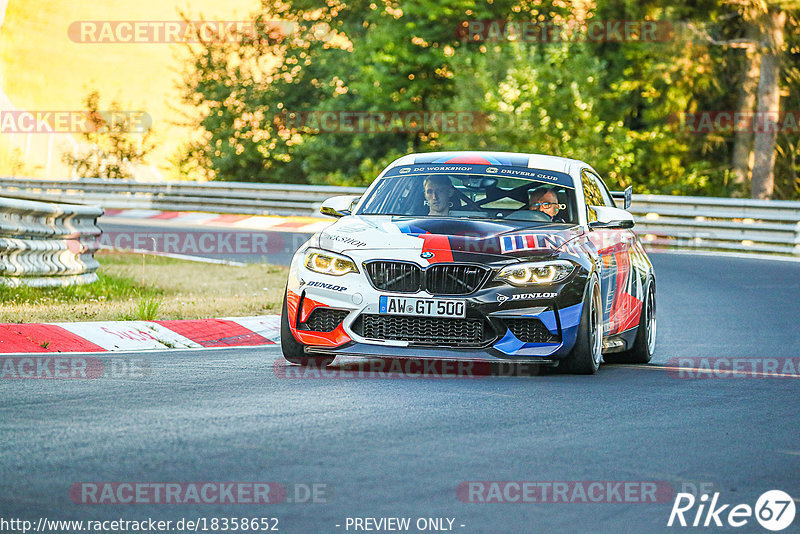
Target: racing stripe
[
  {"x": 625, "y": 308},
  {"x": 475, "y": 159},
  {"x": 439, "y": 246},
  {"x": 483, "y": 158},
  {"x": 407, "y": 228},
  {"x": 635, "y": 306}
]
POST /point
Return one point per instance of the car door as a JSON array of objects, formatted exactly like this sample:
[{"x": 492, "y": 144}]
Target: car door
[{"x": 619, "y": 284}]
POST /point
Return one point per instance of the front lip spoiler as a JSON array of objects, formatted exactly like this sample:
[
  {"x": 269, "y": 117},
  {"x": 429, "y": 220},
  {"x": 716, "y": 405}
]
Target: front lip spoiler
[{"x": 454, "y": 355}]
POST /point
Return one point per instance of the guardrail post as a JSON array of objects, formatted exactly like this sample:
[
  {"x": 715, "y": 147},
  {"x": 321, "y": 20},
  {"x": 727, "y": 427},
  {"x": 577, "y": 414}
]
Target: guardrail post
[{"x": 797, "y": 239}]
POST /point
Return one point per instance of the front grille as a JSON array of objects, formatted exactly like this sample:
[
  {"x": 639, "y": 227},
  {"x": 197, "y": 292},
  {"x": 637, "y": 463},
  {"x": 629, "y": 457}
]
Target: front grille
[
  {"x": 394, "y": 276},
  {"x": 447, "y": 279},
  {"x": 531, "y": 331},
  {"x": 440, "y": 279},
  {"x": 325, "y": 319},
  {"x": 427, "y": 330}
]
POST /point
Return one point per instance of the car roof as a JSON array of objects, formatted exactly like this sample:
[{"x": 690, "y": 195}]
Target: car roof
[{"x": 536, "y": 161}]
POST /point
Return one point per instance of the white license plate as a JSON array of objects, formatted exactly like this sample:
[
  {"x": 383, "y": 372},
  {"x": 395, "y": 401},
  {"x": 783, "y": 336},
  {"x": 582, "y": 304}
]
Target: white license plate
[{"x": 422, "y": 307}]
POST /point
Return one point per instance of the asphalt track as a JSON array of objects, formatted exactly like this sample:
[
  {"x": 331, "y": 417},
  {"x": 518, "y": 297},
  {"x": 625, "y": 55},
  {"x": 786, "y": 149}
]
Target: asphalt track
[{"x": 400, "y": 447}]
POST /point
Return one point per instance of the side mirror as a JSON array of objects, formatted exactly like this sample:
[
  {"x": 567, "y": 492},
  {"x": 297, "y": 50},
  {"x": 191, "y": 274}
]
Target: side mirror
[
  {"x": 339, "y": 206},
  {"x": 625, "y": 196},
  {"x": 608, "y": 217}
]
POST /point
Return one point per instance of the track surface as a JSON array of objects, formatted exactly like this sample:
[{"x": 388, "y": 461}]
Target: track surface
[{"x": 400, "y": 447}]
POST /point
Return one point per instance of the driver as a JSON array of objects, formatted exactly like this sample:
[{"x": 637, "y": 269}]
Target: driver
[
  {"x": 438, "y": 194},
  {"x": 545, "y": 200}
]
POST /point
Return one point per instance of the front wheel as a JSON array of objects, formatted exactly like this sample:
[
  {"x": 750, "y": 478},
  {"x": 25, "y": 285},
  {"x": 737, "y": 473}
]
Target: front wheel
[
  {"x": 293, "y": 350},
  {"x": 644, "y": 344},
  {"x": 585, "y": 356}
]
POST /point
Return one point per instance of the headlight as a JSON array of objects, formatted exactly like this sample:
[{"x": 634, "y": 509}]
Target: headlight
[
  {"x": 532, "y": 273},
  {"x": 329, "y": 263}
]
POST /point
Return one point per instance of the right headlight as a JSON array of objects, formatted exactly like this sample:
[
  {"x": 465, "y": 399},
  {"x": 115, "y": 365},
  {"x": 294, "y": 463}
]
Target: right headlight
[
  {"x": 536, "y": 272},
  {"x": 322, "y": 261}
]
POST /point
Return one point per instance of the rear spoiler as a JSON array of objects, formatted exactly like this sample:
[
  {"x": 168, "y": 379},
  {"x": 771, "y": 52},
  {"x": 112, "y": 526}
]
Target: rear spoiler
[{"x": 626, "y": 196}]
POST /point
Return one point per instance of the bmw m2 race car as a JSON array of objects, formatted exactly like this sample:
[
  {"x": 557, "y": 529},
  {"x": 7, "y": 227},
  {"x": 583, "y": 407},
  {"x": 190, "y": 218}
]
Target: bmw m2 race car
[{"x": 485, "y": 256}]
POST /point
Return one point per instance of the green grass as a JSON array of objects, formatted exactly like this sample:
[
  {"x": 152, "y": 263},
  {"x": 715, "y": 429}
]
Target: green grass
[
  {"x": 162, "y": 288},
  {"x": 107, "y": 287},
  {"x": 148, "y": 309}
]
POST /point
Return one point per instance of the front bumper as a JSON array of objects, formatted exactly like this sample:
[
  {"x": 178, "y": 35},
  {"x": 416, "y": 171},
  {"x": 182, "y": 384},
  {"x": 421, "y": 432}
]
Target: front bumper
[{"x": 526, "y": 325}]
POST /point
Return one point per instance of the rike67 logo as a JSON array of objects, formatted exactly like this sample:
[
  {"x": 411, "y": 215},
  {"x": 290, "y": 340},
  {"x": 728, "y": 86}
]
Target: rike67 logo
[{"x": 774, "y": 510}]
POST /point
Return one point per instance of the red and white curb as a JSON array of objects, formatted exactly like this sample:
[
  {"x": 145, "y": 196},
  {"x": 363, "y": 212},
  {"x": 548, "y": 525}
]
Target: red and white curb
[
  {"x": 298, "y": 224},
  {"x": 107, "y": 336}
]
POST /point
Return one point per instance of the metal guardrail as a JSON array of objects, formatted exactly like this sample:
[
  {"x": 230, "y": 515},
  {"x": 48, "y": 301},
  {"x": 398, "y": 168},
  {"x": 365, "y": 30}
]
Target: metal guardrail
[
  {"x": 216, "y": 197},
  {"x": 742, "y": 225},
  {"x": 45, "y": 244}
]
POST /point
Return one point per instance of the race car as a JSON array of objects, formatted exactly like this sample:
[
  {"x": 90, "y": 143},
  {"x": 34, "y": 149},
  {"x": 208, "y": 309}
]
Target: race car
[{"x": 485, "y": 256}]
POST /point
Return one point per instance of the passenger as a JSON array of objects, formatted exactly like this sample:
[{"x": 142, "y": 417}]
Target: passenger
[{"x": 545, "y": 200}]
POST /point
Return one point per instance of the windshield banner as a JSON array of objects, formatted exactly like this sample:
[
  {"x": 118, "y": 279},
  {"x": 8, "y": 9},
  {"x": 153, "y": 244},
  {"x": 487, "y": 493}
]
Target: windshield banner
[{"x": 496, "y": 171}]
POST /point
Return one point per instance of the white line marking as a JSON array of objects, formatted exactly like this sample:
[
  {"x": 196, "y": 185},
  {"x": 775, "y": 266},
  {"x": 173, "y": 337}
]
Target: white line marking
[
  {"x": 187, "y": 257},
  {"x": 743, "y": 255},
  {"x": 705, "y": 371}
]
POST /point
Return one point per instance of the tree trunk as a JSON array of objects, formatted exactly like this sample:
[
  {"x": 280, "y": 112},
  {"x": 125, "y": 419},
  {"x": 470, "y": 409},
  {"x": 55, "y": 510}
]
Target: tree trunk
[
  {"x": 742, "y": 159},
  {"x": 766, "y": 121}
]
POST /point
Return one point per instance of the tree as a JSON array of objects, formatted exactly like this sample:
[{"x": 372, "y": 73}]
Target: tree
[
  {"x": 742, "y": 158},
  {"x": 754, "y": 150},
  {"x": 606, "y": 102},
  {"x": 763, "y": 181},
  {"x": 113, "y": 153}
]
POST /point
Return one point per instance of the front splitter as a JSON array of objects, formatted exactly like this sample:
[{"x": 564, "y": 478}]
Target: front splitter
[{"x": 363, "y": 350}]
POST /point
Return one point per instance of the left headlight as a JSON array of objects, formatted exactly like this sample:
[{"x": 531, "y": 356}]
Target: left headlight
[
  {"x": 325, "y": 262},
  {"x": 533, "y": 273}
]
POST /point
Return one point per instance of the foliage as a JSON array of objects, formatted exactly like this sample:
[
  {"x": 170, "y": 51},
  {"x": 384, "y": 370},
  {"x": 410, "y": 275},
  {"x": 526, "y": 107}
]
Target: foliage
[
  {"x": 118, "y": 140},
  {"x": 613, "y": 104}
]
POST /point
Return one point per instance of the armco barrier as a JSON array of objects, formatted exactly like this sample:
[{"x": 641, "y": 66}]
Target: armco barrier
[
  {"x": 47, "y": 244},
  {"x": 216, "y": 197},
  {"x": 742, "y": 225}
]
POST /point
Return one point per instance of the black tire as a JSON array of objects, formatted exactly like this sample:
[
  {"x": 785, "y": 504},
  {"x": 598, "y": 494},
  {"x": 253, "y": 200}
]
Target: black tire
[
  {"x": 585, "y": 356},
  {"x": 293, "y": 350},
  {"x": 644, "y": 344}
]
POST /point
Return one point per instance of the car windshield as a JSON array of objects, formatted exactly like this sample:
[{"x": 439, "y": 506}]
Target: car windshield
[{"x": 473, "y": 191}]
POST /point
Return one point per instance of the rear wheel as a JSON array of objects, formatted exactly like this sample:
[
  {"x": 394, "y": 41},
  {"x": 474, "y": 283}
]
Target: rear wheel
[
  {"x": 292, "y": 349},
  {"x": 585, "y": 356},
  {"x": 644, "y": 344}
]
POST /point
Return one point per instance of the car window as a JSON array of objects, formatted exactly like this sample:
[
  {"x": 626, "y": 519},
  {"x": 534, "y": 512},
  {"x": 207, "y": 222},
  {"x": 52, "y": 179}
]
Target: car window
[
  {"x": 604, "y": 193},
  {"x": 472, "y": 192},
  {"x": 592, "y": 195}
]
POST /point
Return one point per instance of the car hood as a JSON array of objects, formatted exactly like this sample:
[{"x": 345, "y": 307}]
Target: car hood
[{"x": 433, "y": 234}]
